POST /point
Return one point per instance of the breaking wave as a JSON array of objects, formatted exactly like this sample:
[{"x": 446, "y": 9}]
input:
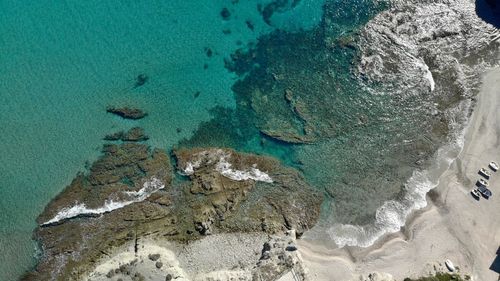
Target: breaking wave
[
  {"x": 224, "y": 167},
  {"x": 148, "y": 188},
  {"x": 392, "y": 215}
]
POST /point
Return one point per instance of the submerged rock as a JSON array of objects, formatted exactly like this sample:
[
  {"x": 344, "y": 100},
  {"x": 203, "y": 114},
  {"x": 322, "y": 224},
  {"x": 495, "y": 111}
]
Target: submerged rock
[
  {"x": 225, "y": 14},
  {"x": 135, "y": 134},
  {"x": 126, "y": 112},
  {"x": 128, "y": 194},
  {"x": 141, "y": 80}
]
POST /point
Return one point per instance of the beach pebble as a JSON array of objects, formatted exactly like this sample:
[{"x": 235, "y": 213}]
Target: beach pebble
[
  {"x": 154, "y": 257},
  {"x": 159, "y": 264},
  {"x": 110, "y": 274},
  {"x": 169, "y": 277},
  {"x": 138, "y": 277}
]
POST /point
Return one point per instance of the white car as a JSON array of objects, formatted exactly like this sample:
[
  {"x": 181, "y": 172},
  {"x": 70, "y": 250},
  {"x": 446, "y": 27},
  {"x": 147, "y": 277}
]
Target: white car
[
  {"x": 485, "y": 173},
  {"x": 494, "y": 166},
  {"x": 482, "y": 182},
  {"x": 449, "y": 265},
  {"x": 475, "y": 193}
]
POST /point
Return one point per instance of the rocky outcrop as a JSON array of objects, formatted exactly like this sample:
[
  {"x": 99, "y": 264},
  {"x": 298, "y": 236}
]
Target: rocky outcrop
[
  {"x": 127, "y": 112},
  {"x": 432, "y": 43},
  {"x": 135, "y": 134},
  {"x": 244, "y": 192},
  {"x": 128, "y": 194},
  {"x": 374, "y": 276},
  {"x": 280, "y": 256}
]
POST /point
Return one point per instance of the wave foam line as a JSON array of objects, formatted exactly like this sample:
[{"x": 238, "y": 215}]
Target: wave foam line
[
  {"x": 392, "y": 215},
  {"x": 148, "y": 188},
  {"x": 224, "y": 167}
]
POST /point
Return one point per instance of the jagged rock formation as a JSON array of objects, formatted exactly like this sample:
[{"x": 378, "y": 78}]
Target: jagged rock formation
[
  {"x": 436, "y": 44},
  {"x": 243, "y": 192},
  {"x": 375, "y": 276},
  {"x": 272, "y": 258},
  {"x": 280, "y": 257},
  {"x": 128, "y": 194}
]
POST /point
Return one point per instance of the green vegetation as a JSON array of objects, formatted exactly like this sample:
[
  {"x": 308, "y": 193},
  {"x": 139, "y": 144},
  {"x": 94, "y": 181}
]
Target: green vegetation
[{"x": 441, "y": 277}]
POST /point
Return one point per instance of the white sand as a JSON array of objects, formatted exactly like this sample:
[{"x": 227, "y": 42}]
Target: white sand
[
  {"x": 455, "y": 226},
  {"x": 215, "y": 257}
]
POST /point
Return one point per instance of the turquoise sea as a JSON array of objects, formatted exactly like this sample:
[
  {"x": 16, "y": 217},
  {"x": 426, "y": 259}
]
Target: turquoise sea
[
  {"x": 217, "y": 73},
  {"x": 63, "y": 62}
]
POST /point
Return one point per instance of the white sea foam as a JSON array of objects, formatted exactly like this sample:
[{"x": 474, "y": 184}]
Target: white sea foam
[
  {"x": 222, "y": 165},
  {"x": 224, "y": 168},
  {"x": 392, "y": 215},
  {"x": 190, "y": 167},
  {"x": 427, "y": 74},
  {"x": 148, "y": 188}
]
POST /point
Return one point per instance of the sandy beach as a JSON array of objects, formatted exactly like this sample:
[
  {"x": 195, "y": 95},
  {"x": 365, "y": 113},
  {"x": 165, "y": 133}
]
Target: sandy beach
[{"x": 453, "y": 226}]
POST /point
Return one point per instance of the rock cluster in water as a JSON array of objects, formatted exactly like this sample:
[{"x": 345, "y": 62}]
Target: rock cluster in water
[
  {"x": 129, "y": 194},
  {"x": 127, "y": 112},
  {"x": 135, "y": 134}
]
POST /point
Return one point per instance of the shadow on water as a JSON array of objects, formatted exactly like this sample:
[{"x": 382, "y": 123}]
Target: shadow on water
[{"x": 489, "y": 11}]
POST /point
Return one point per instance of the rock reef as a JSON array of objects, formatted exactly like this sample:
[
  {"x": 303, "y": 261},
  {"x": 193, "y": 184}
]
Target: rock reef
[
  {"x": 128, "y": 194},
  {"x": 127, "y": 112},
  {"x": 135, "y": 134}
]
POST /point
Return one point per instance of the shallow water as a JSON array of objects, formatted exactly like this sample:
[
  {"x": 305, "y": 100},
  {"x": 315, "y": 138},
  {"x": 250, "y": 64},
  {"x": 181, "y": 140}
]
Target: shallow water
[
  {"x": 63, "y": 62},
  {"x": 211, "y": 82}
]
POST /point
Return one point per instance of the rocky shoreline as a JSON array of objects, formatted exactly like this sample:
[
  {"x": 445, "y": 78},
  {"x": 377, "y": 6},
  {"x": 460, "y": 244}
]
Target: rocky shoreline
[{"x": 129, "y": 194}]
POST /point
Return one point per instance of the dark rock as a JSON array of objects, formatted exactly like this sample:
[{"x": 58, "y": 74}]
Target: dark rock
[
  {"x": 276, "y": 260},
  {"x": 141, "y": 80},
  {"x": 169, "y": 277},
  {"x": 158, "y": 264},
  {"x": 110, "y": 274},
  {"x": 266, "y": 247},
  {"x": 225, "y": 14},
  {"x": 114, "y": 136},
  {"x": 237, "y": 205},
  {"x": 275, "y": 6},
  {"x": 209, "y": 202},
  {"x": 290, "y": 137},
  {"x": 154, "y": 257},
  {"x": 135, "y": 134},
  {"x": 127, "y": 113},
  {"x": 291, "y": 248},
  {"x": 208, "y": 52},
  {"x": 250, "y": 25}
]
